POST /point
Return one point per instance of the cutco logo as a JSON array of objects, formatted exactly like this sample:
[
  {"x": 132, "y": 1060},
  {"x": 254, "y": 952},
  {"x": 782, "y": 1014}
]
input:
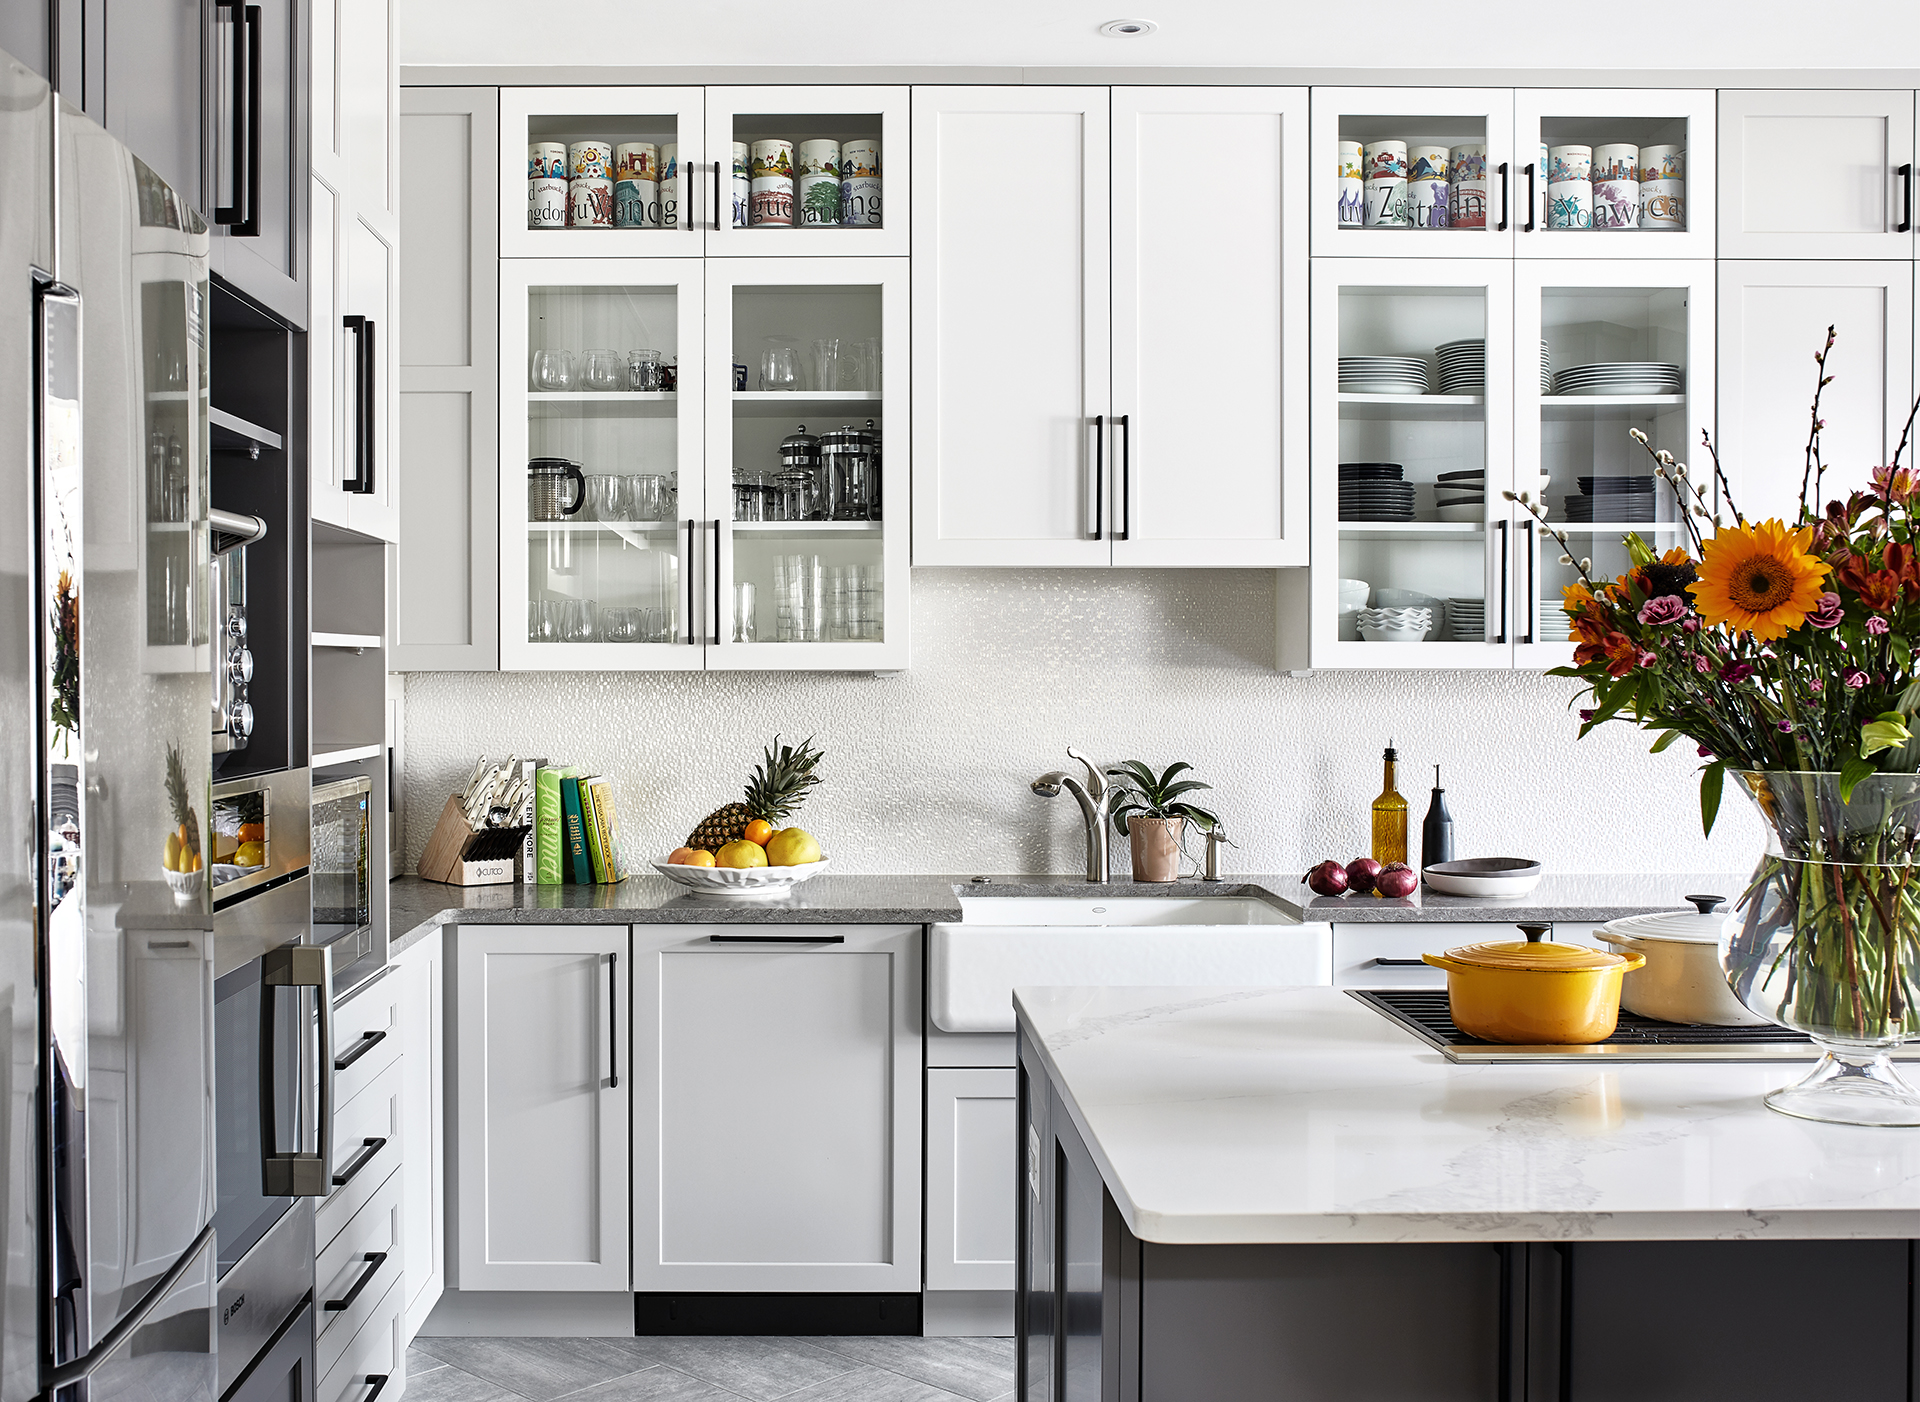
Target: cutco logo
[{"x": 227, "y": 1314}]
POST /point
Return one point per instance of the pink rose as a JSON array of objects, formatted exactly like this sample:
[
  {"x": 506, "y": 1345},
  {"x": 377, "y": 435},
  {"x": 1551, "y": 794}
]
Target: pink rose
[
  {"x": 1828, "y": 613},
  {"x": 1853, "y": 678},
  {"x": 1667, "y": 608},
  {"x": 1878, "y": 625},
  {"x": 1690, "y": 624}
]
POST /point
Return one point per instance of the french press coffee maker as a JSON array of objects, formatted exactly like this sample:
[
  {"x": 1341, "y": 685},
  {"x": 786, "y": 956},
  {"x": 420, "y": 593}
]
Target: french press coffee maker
[{"x": 547, "y": 480}]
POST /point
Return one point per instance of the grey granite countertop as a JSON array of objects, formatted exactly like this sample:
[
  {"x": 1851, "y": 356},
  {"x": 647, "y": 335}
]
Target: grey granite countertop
[{"x": 419, "y": 906}]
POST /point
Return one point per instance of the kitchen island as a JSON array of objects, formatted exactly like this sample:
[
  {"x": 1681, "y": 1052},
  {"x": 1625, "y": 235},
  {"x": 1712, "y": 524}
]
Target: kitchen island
[{"x": 1241, "y": 1193}]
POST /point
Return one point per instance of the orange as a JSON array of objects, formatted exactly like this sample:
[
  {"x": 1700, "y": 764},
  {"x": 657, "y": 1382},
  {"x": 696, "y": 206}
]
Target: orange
[
  {"x": 700, "y": 858},
  {"x": 679, "y": 856},
  {"x": 249, "y": 832},
  {"x": 759, "y": 830}
]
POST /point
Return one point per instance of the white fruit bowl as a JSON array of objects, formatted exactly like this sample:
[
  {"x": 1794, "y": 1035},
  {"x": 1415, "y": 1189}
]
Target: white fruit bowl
[{"x": 740, "y": 881}]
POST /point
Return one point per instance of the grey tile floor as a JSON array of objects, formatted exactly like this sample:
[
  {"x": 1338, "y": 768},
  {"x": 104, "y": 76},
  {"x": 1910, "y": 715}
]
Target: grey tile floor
[{"x": 686, "y": 1369}]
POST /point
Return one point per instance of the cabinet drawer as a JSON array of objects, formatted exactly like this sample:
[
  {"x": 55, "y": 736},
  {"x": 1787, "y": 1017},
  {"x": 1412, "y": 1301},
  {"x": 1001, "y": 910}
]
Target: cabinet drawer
[
  {"x": 355, "y": 1271},
  {"x": 366, "y": 1150},
  {"x": 1358, "y": 949},
  {"x": 373, "y": 1365},
  {"x": 366, "y": 1039}
]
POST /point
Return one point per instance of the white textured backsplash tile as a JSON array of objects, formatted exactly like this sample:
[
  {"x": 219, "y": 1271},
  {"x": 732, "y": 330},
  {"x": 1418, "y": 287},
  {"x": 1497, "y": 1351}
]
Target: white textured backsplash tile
[{"x": 927, "y": 771}]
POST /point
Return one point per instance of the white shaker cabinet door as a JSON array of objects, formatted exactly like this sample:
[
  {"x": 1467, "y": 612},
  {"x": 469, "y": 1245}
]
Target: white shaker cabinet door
[
  {"x": 1208, "y": 447},
  {"x": 1011, "y": 326},
  {"x": 421, "y": 977},
  {"x": 1773, "y": 318},
  {"x": 971, "y": 1177},
  {"x": 777, "y": 1083},
  {"x": 540, "y": 1177},
  {"x": 1816, "y": 174}
]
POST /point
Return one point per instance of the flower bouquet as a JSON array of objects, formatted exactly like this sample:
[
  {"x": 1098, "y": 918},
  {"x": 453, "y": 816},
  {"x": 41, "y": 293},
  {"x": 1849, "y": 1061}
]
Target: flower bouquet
[{"x": 1786, "y": 652}]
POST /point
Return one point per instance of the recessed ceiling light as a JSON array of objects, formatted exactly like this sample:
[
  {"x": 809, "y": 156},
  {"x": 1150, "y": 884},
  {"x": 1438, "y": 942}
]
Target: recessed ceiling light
[{"x": 1127, "y": 28}]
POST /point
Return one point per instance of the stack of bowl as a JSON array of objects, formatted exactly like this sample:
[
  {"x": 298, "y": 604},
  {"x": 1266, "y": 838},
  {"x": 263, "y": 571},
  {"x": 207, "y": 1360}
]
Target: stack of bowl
[
  {"x": 1354, "y": 594},
  {"x": 1461, "y": 496},
  {"x": 1390, "y": 625}
]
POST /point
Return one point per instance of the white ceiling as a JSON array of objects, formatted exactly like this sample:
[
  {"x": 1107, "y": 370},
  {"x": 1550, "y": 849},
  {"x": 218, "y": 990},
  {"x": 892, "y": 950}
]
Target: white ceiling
[{"x": 1388, "y": 34}]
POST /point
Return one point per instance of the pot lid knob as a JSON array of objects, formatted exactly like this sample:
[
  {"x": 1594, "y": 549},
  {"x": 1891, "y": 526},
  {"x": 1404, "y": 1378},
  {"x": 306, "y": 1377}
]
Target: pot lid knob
[
  {"x": 1535, "y": 933},
  {"x": 1708, "y": 904}
]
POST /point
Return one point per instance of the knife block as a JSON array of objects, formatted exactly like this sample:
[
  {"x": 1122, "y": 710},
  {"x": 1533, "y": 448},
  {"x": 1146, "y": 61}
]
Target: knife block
[{"x": 458, "y": 856}]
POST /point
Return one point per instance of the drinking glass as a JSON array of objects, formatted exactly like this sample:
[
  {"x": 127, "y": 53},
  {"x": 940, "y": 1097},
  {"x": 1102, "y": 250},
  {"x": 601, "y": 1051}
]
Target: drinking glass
[
  {"x": 643, "y": 370},
  {"x": 851, "y": 370},
  {"x": 607, "y": 498},
  {"x": 543, "y": 621},
  {"x": 605, "y": 371},
  {"x": 870, "y": 361},
  {"x": 644, "y": 497},
  {"x": 743, "y": 607},
  {"x": 576, "y": 620},
  {"x": 825, "y": 362},
  {"x": 749, "y": 501},
  {"x": 552, "y": 370},
  {"x": 780, "y": 365},
  {"x": 621, "y": 625}
]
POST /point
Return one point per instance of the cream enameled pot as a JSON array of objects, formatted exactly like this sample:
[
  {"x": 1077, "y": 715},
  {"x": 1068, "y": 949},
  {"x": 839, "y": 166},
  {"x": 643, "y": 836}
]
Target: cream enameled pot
[{"x": 1682, "y": 980}]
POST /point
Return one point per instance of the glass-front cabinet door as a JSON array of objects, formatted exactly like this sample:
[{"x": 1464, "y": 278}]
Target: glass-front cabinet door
[
  {"x": 812, "y": 171},
  {"x": 601, "y": 379},
  {"x": 1616, "y": 172},
  {"x": 592, "y": 172},
  {"x": 1412, "y": 387},
  {"x": 806, "y": 483},
  {"x": 1614, "y": 347},
  {"x": 1414, "y": 173}
]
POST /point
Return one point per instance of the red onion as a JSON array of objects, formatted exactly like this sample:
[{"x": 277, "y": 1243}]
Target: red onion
[
  {"x": 1327, "y": 879},
  {"x": 1396, "y": 879},
  {"x": 1361, "y": 872}
]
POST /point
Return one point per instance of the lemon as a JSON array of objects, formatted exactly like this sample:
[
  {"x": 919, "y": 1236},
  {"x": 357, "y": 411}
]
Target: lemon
[
  {"x": 741, "y": 854},
  {"x": 251, "y": 854},
  {"x": 793, "y": 847}
]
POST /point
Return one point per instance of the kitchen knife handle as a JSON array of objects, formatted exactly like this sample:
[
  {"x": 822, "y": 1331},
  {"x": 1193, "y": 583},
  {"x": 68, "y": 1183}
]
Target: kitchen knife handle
[
  {"x": 1506, "y": 199},
  {"x": 1501, "y": 636},
  {"x": 1533, "y": 197},
  {"x": 1099, "y": 475},
  {"x": 613, "y": 1021},
  {"x": 1905, "y": 225},
  {"x": 1123, "y": 496},
  {"x": 374, "y": 1260}
]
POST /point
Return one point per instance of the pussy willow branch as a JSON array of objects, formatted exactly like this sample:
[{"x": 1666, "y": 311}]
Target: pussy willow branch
[
  {"x": 1904, "y": 434},
  {"x": 1675, "y": 476},
  {"x": 1815, "y": 469},
  {"x": 1720, "y": 478},
  {"x": 1539, "y": 513}
]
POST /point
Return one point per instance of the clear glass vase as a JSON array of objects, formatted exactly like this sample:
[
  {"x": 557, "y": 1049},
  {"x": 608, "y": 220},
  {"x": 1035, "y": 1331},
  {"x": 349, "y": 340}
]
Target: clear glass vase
[{"x": 1826, "y": 939}]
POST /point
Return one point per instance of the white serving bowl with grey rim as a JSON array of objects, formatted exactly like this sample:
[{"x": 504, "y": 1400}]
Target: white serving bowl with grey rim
[{"x": 1484, "y": 876}]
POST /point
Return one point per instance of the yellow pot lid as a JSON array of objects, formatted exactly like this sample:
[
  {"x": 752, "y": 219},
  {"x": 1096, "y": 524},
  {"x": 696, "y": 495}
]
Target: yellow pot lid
[{"x": 1544, "y": 956}]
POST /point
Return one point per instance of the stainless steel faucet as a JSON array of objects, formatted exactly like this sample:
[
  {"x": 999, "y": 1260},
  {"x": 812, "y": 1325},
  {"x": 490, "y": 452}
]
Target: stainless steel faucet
[{"x": 1094, "y": 798}]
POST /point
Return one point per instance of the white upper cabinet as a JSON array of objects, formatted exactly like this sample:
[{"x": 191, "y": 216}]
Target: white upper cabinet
[
  {"x": 1773, "y": 318},
  {"x": 1646, "y": 152},
  {"x": 1822, "y": 174},
  {"x": 1011, "y": 329},
  {"x": 1209, "y": 318},
  {"x": 1408, "y": 207},
  {"x": 845, "y": 194}
]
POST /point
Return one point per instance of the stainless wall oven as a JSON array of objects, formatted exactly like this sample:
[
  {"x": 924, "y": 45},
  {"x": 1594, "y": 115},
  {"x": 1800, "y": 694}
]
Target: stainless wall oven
[{"x": 342, "y": 867}]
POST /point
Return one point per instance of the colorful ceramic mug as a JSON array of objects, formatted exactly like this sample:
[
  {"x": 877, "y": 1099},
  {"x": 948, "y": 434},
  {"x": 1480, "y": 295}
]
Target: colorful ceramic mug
[
  {"x": 589, "y": 160},
  {"x": 1386, "y": 160},
  {"x": 1387, "y": 204},
  {"x": 1663, "y": 204},
  {"x": 1428, "y": 204},
  {"x": 1352, "y": 160},
  {"x": 1570, "y": 204},
  {"x": 546, "y": 160},
  {"x": 1616, "y": 160},
  {"x": 1616, "y": 204},
  {"x": 1568, "y": 163}
]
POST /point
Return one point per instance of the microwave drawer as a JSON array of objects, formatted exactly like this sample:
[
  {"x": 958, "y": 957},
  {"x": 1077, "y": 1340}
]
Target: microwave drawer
[
  {"x": 366, "y": 1149},
  {"x": 366, "y": 1038}
]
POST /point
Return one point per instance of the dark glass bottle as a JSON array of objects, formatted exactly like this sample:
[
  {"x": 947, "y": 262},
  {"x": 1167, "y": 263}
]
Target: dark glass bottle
[{"x": 1436, "y": 832}]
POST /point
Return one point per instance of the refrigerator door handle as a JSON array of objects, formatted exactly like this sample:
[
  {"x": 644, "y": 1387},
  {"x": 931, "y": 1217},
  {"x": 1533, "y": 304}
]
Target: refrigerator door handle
[
  {"x": 297, "y": 1174},
  {"x": 69, "y": 1373}
]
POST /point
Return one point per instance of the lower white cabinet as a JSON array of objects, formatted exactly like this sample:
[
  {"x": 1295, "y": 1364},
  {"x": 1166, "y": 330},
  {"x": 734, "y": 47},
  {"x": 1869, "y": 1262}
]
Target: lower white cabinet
[
  {"x": 971, "y": 1193},
  {"x": 374, "y": 1364},
  {"x": 540, "y": 1176},
  {"x": 420, "y": 979},
  {"x": 776, "y": 1088}
]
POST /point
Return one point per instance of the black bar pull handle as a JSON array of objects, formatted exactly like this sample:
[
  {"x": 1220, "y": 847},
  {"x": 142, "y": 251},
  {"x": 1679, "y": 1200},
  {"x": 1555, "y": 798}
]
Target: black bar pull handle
[
  {"x": 716, "y": 195},
  {"x": 687, "y": 571},
  {"x": 1533, "y": 589},
  {"x": 369, "y": 1150},
  {"x": 379, "y": 1381},
  {"x": 365, "y": 393},
  {"x": 1501, "y": 526},
  {"x": 613, "y": 1021},
  {"x": 716, "y": 581},
  {"x": 1905, "y": 225},
  {"x": 1124, "y": 496},
  {"x": 1099, "y": 475},
  {"x": 776, "y": 939},
  {"x": 374, "y": 1260},
  {"x": 368, "y": 1041},
  {"x": 1401, "y": 963},
  {"x": 1506, "y": 199},
  {"x": 1533, "y": 197}
]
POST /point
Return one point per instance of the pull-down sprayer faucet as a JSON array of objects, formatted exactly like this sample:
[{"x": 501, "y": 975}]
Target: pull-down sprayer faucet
[{"x": 1094, "y": 797}]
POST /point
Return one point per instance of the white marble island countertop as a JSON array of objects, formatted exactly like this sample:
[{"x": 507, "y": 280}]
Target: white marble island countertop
[{"x": 1301, "y": 1115}]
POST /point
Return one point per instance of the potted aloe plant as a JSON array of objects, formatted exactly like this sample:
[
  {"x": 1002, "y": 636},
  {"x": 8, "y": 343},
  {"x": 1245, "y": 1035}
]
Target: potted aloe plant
[{"x": 1154, "y": 818}]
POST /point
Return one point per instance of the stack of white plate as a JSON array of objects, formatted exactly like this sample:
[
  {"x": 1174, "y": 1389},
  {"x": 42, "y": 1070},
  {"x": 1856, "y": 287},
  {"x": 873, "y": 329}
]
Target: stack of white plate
[
  {"x": 1620, "y": 377},
  {"x": 1383, "y": 374},
  {"x": 1463, "y": 366},
  {"x": 1395, "y": 625},
  {"x": 1555, "y": 626},
  {"x": 1546, "y": 368},
  {"x": 1461, "y": 496},
  {"x": 1467, "y": 620}
]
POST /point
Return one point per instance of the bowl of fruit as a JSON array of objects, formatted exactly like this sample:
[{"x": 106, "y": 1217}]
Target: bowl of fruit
[{"x": 740, "y": 850}]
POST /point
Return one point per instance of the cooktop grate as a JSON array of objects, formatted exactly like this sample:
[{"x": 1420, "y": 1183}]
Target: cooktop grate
[{"x": 1424, "y": 1012}]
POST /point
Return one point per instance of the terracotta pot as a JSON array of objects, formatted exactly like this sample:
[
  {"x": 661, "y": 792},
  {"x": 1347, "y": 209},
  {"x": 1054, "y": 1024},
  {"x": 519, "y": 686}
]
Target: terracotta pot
[{"x": 1156, "y": 847}]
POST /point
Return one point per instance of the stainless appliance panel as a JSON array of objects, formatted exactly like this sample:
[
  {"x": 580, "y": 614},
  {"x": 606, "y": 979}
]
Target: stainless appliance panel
[
  {"x": 168, "y": 1354},
  {"x": 247, "y": 929},
  {"x": 283, "y": 801},
  {"x": 261, "y": 1290}
]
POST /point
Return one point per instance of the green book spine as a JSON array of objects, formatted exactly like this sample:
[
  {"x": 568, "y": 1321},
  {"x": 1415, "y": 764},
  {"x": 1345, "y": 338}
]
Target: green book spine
[
  {"x": 603, "y": 815},
  {"x": 578, "y": 868},
  {"x": 546, "y": 825},
  {"x": 595, "y": 858}
]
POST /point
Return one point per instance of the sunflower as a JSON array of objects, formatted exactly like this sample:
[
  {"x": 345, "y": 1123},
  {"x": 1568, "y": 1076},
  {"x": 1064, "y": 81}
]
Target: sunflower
[{"x": 1759, "y": 579}]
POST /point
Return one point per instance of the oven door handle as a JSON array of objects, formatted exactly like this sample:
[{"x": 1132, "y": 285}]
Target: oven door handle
[{"x": 296, "y": 1174}]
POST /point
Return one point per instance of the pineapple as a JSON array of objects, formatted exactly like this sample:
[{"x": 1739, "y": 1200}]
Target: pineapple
[
  {"x": 186, "y": 821},
  {"x": 778, "y": 786}
]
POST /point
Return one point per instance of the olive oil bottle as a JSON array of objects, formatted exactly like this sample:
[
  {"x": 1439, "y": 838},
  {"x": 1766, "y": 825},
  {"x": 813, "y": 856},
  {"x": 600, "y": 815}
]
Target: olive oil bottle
[{"x": 1389, "y": 816}]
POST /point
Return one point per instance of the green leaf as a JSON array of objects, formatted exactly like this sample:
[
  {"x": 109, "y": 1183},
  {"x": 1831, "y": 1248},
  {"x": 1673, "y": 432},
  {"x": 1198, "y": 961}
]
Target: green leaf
[
  {"x": 1666, "y": 739},
  {"x": 1852, "y": 772},
  {"x": 1638, "y": 550},
  {"x": 1886, "y": 731},
  {"x": 1712, "y": 779},
  {"x": 1616, "y": 698}
]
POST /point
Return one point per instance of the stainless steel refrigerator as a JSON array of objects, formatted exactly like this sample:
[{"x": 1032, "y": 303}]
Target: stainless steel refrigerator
[{"x": 106, "y": 930}]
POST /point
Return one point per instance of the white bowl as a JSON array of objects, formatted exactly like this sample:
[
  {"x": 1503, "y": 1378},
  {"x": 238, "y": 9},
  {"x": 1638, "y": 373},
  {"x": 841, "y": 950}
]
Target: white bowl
[
  {"x": 1404, "y": 599},
  {"x": 740, "y": 881},
  {"x": 1393, "y": 635},
  {"x": 1354, "y": 594},
  {"x": 1466, "y": 511},
  {"x": 1395, "y": 618},
  {"x": 1484, "y": 876},
  {"x": 185, "y": 884}
]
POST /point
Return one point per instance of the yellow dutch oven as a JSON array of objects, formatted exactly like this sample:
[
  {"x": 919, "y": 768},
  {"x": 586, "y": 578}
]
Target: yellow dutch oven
[{"x": 1534, "y": 991}]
